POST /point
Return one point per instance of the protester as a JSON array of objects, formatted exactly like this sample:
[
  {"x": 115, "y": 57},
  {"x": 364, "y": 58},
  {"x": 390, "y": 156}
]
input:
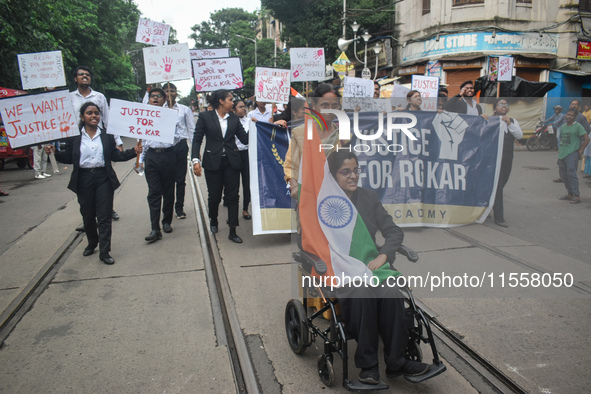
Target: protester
[
  {"x": 40, "y": 162},
  {"x": 221, "y": 159},
  {"x": 414, "y": 100},
  {"x": 240, "y": 110},
  {"x": 376, "y": 89},
  {"x": 464, "y": 102},
  {"x": 576, "y": 105},
  {"x": 93, "y": 178},
  {"x": 158, "y": 160},
  {"x": 260, "y": 113},
  {"x": 512, "y": 131},
  {"x": 573, "y": 140},
  {"x": 185, "y": 127}
]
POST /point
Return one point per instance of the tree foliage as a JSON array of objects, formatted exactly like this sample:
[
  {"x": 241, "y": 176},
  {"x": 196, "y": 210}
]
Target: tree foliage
[{"x": 99, "y": 34}]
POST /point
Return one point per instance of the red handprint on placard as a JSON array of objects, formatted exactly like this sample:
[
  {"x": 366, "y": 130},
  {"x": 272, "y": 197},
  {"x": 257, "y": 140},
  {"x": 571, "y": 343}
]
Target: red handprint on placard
[
  {"x": 318, "y": 54},
  {"x": 146, "y": 39},
  {"x": 64, "y": 120},
  {"x": 298, "y": 70},
  {"x": 167, "y": 64},
  {"x": 198, "y": 88},
  {"x": 260, "y": 86},
  {"x": 238, "y": 82}
]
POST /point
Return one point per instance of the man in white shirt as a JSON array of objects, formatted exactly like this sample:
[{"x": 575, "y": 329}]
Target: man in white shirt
[
  {"x": 260, "y": 113},
  {"x": 185, "y": 127}
]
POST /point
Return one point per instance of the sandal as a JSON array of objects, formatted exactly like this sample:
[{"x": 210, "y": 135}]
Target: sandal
[
  {"x": 558, "y": 180},
  {"x": 575, "y": 200},
  {"x": 566, "y": 197}
]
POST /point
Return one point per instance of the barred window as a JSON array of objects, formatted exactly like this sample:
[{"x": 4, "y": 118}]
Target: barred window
[
  {"x": 426, "y": 6},
  {"x": 585, "y": 5},
  {"x": 524, "y": 1},
  {"x": 464, "y": 2}
]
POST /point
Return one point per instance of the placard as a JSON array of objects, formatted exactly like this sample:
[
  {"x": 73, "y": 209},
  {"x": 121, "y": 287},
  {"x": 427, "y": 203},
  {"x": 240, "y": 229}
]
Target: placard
[
  {"x": 41, "y": 70},
  {"x": 357, "y": 87},
  {"x": 429, "y": 88},
  {"x": 272, "y": 85},
  {"x": 36, "y": 118},
  {"x": 197, "y": 54},
  {"x": 153, "y": 33},
  {"x": 307, "y": 64},
  {"x": 142, "y": 121},
  {"x": 398, "y": 97},
  {"x": 505, "y": 68},
  {"x": 215, "y": 74},
  {"x": 167, "y": 63}
]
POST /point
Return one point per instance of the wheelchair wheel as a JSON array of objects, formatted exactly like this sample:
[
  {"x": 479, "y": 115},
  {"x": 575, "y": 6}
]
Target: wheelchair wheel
[
  {"x": 325, "y": 369},
  {"x": 296, "y": 326},
  {"x": 413, "y": 351}
]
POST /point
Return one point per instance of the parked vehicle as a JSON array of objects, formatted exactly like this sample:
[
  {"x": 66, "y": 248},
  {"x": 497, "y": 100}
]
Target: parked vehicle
[{"x": 543, "y": 138}]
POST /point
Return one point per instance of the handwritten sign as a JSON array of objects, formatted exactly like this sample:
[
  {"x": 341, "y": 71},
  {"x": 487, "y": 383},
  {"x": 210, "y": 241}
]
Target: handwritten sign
[
  {"x": 505, "y": 68},
  {"x": 41, "y": 70},
  {"x": 429, "y": 88},
  {"x": 215, "y": 74},
  {"x": 198, "y": 54},
  {"x": 398, "y": 98},
  {"x": 142, "y": 121},
  {"x": 153, "y": 33},
  {"x": 307, "y": 64},
  {"x": 167, "y": 63},
  {"x": 357, "y": 87},
  {"x": 36, "y": 118},
  {"x": 272, "y": 85}
]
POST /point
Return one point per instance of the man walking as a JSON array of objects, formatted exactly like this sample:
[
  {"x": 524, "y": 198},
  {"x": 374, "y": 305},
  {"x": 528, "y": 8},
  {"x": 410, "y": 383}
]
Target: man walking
[
  {"x": 185, "y": 127},
  {"x": 573, "y": 140}
]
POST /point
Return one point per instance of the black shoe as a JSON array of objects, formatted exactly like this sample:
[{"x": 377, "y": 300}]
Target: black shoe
[
  {"x": 370, "y": 375},
  {"x": 213, "y": 226},
  {"x": 89, "y": 250},
  {"x": 247, "y": 216},
  {"x": 501, "y": 223},
  {"x": 115, "y": 215},
  {"x": 81, "y": 228},
  {"x": 409, "y": 368},
  {"x": 154, "y": 236},
  {"x": 181, "y": 215},
  {"x": 166, "y": 227},
  {"x": 234, "y": 237},
  {"x": 105, "y": 258}
]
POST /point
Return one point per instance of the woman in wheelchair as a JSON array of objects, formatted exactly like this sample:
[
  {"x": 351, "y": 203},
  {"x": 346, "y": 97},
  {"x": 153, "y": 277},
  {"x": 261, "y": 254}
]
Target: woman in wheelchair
[{"x": 371, "y": 311}]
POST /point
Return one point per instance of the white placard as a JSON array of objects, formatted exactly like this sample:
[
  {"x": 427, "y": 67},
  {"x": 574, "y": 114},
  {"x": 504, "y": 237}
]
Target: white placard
[
  {"x": 198, "y": 54},
  {"x": 429, "y": 89},
  {"x": 153, "y": 33},
  {"x": 215, "y": 74},
  {"x": 41, "y": 70},
  {"x": 357, "y": 87},
  {"x": 272, "y": 85},
  {"x": 398, "y": 97},
  {"x": 307, "y": 64},
  {"x": 36, "y": 118},
  {"x": 167, "y": 63},
  {"x": 142, "y": 121},
  {"x": 505, "y": 68}
]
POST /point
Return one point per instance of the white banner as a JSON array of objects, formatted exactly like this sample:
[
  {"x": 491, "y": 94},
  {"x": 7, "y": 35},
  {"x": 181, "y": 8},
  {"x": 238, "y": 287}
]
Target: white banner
[
  {"x": 41, "y": 70},
  {"x": 215, "y": 74},
  {"x": 197, "y": 54},
  {"x": 167, "y": 63},
  {"x": 429, "y": 89},
  {"x": 142, "y": 121},
  {"x": 505, "y": 68},
  {"x": 272, "y": 85},
  {"x": 153, "y": 33},
  {"x": 36, "y": 118},
  {"x": 307, "y": 64}
]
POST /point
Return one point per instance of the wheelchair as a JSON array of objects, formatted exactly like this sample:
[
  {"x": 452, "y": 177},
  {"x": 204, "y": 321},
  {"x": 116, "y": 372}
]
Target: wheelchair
[{"x": 303, "y": 327}]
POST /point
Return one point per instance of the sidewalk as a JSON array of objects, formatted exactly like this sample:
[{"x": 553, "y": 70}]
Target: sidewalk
[{"x": 141, "y": 325}]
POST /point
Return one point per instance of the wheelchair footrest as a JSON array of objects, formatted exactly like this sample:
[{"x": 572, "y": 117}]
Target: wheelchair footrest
[
  {"x": 357, "y": 386},
  {"x": 434, "y": 370}
]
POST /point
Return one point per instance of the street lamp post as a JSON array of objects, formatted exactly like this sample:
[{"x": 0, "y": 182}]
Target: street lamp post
[
  {"x": 377, "y": 49},
  {"x": 255, "y": 46},
  {"x": 343, "y": 44}
]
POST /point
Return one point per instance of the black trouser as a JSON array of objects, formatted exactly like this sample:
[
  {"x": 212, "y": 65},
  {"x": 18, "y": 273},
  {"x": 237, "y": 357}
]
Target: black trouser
[
  {"x": 245, "y": 173},
  {"x": 506, "y": 164},
  {"x": 372, "y": 312},
  {"x": 95, "y": 196},
  {"x": 181, "y": 151},
  {"x": 159, "y": 171},
  {"x": 226, "y": 180}
]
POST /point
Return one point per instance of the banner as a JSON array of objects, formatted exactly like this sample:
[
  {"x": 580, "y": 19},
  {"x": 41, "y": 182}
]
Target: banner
[
  {"x": 271, "y": 202},
  {"x": 272, "y": 85},
  {"x": 36, "y": 118},
  {"x": 41, "y": 70},
  {"x": 167, "y": 63},
  {"x": 307, "y": 64},
  {"x": 447, "y": 177},
  {"x": 153, "y": 33},
  {"x": 215, "y": 74},
  {"x": 142, "y": 121},
  {"x": 197, "y": 54}
]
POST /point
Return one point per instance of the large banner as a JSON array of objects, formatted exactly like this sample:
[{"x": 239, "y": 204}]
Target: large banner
[
  {"x": 36, "y": 118},
  {"x": 271, "y": 203}
]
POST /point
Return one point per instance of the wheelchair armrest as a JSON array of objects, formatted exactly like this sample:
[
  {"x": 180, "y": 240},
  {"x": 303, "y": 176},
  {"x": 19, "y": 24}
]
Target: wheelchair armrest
[
  {"x": 310, "y": 259},
  {"x": 410, "y": 254}
]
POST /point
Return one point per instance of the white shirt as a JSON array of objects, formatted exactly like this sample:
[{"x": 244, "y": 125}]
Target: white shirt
[
  {"x": 100, "y": 100},
  {"x": 471, "y": 109},
  {"x": 185, "y": 123},
  {"x": 91, "y": 150},
  {"x": 246, "y": 125},
  {"x": 223, "y": 122},
  {"x": 260, "y": 116}
]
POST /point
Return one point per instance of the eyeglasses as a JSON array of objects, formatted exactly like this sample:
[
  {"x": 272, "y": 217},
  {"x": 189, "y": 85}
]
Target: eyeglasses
[
  {"x": 326, "y": 105},
  {"x": 503, "y": 105},
  {"x": 83, "y": 74},
  {"x": 156, "y": 96},
  {"x": 346, "y": 172}
]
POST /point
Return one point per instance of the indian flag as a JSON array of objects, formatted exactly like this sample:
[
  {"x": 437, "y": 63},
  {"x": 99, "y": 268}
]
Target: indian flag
[{"x": 331, "y": 227}]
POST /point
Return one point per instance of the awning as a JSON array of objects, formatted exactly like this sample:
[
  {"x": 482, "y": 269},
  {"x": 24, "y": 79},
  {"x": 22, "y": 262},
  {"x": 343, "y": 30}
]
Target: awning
[{"x": 576, "y": 73}]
